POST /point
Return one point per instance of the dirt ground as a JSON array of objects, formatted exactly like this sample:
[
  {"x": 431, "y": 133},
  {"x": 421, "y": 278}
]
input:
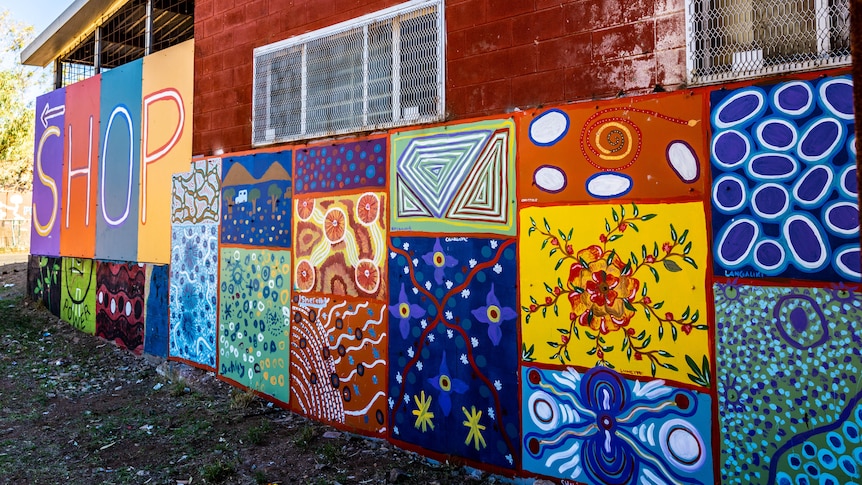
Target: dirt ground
[{"x": 75, "y": 409}]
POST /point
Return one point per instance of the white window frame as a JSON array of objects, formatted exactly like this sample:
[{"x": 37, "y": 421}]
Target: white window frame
[
  {"x": 399, "y": 118},
  {"x": 823, "y": 51}
]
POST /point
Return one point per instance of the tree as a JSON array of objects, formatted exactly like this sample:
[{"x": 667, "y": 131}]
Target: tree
[
  {"x": 228, "y": 195},
  {"x": 253, "y": 196},
  {"x": 18, "y": 85},
  {"x": 274, "y": 191}
]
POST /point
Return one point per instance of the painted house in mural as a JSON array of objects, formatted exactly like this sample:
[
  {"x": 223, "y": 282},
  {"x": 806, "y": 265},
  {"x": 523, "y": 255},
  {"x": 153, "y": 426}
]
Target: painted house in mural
[{"x": 592, "y": 242}]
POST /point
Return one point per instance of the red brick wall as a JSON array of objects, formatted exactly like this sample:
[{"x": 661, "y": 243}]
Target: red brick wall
[{"x": 501, "y": 54}]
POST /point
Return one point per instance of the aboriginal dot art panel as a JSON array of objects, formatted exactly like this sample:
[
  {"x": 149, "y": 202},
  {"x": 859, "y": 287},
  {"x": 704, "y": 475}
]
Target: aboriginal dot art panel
[
  {"x": 78, "y": 299},
  {"x": 255, "y": 199},
  {"x": 789, "y": 383},
  {"x": 635, "y": 148},
  {"x": 196, "y": 194},
  {"x": 356, "y": 165},
  {"x": 599, "y": 427},
  {"x": 193, "y": 293},
  {"x": 454, "y": 178},
  {"x": 254, "y": 320},
  {"x": 619, "y": 286},
  {"x": 784, "y": 192},
  {"x": 340, "y": 245},
  {"x": 339, "y": 361},
  {"x": 44, "y": 275},
  {"x": 120, "y": 304},
  {"x": 156, "y": 322},
  {"x": 453, "y": 352}
]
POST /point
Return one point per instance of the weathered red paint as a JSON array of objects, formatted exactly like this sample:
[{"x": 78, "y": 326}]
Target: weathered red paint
[{"x": 500, "y": 54}]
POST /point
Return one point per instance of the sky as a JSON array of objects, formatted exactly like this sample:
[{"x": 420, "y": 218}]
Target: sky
[{"x": 38, "y": 13}]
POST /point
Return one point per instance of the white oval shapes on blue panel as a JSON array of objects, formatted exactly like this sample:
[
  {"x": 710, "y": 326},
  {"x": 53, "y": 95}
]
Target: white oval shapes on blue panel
[
  {"x": 795, "y": 98},
  {"x": 820, "y": 139},
  {"x": 842, "y": 218},
  {"x": 683, "y": 161},
  {"x": 836, "y": 95},
  {"x": 739, "y": 108},
  {"x": 730, "y": 148},
  {"x": 550, "y": 178},
  {"x": 847, "y": 262},
  {"x": 777, "y": 134},
  {"x": 729, "y": 193},
  {"x": 607, "y": 185},
  {"x": 848, "y": 183},
  {"x": 736, "y": 242},
  {"x": 806, "y": 242},
  {"x": 772, "y": 166},
  {"x": 770, "y": 201},
  {"x": 813, "y": 186},
  {"x": 769, "y": 257},
  {"x": 549, "y": 127}
]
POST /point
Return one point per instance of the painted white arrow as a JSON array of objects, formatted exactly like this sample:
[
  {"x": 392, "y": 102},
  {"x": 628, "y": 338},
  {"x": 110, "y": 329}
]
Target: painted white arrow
[{"x": 48, "y": 112}]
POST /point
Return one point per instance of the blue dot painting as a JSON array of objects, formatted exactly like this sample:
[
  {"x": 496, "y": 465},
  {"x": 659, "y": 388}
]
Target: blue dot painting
[
  {"x": 194, "y": 289},
  {"x": 598, "y": 427},
  {"x": 453, "y": 347},
  {"x": 341, "y": 167},
  {"x": 784, "y": 194},
  {"x": 256, "y": 199},
  {"x": 788, "y": 365},
  {"x": 156, "y": 317}
]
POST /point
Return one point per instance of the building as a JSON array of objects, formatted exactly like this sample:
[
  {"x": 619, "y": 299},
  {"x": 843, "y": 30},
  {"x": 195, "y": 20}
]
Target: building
[{"x": 589, "y": 240}]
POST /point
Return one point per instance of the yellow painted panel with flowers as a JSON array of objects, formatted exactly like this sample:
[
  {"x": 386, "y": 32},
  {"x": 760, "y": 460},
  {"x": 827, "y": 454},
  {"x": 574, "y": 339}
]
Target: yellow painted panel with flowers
[{"x": 622, "y": 286}]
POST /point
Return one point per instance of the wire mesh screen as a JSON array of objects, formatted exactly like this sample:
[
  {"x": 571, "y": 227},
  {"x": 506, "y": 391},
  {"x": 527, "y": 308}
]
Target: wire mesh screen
[
  {"x": 732, "y": 39},
  {"x": 379, "y": 71},
  {"x": 124, "y": 36}
]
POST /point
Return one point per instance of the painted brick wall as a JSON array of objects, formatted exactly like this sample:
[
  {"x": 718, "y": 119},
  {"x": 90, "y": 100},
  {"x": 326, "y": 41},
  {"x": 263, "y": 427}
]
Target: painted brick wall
[{"x": 501, "y": 54}]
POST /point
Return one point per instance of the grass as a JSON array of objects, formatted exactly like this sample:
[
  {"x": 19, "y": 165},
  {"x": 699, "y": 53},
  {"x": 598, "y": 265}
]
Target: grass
[
  {"x": 217, "y": 472},
  {"x": 304, "y": 438},
  {"x": 259, "y": 434}
]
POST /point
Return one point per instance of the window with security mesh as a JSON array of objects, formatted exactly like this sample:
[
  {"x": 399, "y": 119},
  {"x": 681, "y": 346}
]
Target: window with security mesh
[
  {"x": 734, "y": 39},
  {"x": 378, "y": 71}
]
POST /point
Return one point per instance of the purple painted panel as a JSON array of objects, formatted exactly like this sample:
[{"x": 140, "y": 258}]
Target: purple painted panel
[{"x": 48, "y": 173}]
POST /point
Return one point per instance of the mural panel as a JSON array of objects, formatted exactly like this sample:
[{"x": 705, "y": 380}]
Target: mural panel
[
  {"x": 788, "y": 383},
  {"x": 455, "y": 178},
  {"x": 340, "y": 246},
  {"x": 156, "y": 311},
  {"x": 254, "y": 320},
  {"x": 339, "y": 351},
  {"x": 785, "y": 195},
  {"x": 627, "y": 149},
  {"x": 78, "y": 300},
  {"x": 43, "y": 281},
  {"x": 196, "y": 194},
  {"x": 349, "y": 166},
  {"x": 48, "y": 173},
  {"x": 80, "y": 180},
  {"x": 119, "y": 164},
  {"x": 597, "y": 427},
  {"x": 193, "y": 292},
  {"x": 453, "y": 352},
  {"x": 255, "y": 199},
  {"x": 166, "y": 144},
  {"x": 624, "y": 288},
  {"x": 120, "y": 304}
]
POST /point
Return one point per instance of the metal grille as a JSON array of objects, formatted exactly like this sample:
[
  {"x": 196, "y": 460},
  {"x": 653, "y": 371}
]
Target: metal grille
[
  {"x": 734, "y": 39},
  {"x": 135, "y": 29},
  {"x": 381, "y": 70}
]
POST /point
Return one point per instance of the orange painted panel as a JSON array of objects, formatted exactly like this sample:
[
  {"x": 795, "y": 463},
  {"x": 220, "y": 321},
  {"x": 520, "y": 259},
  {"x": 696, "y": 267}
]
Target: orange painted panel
[
  {"x": 166, "y": 144},
  {"x": 652, "y": 147},
  {"x": 80, "y": 178}
]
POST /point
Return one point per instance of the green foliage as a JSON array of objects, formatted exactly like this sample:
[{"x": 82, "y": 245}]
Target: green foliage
[
  {"x": 18, "y": 87},
  {"x": 217, "y": 472}
]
